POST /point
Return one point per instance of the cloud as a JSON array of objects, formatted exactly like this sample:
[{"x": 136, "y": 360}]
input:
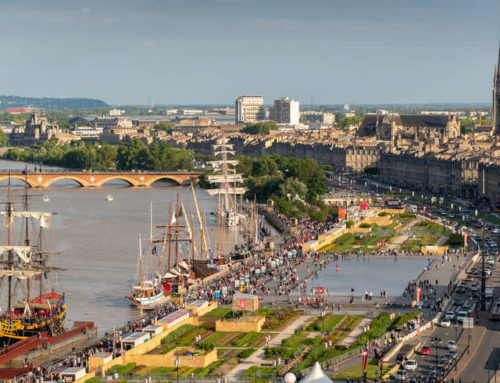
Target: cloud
[{"x": 84, "y": 10}]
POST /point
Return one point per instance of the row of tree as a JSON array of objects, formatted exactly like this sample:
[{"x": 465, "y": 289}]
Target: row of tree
[
  {"x": 262, "y": 128},
  {"x": 127, "y": 156}
]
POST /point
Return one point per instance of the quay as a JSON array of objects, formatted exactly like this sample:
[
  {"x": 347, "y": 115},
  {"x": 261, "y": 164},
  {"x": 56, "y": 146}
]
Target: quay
[{"x": 45, "y": 178}]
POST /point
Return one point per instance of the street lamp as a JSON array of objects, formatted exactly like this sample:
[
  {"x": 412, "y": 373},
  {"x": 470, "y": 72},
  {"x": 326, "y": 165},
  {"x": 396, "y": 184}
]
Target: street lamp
[
  {"x": 323, "y": 313},
  {"x": 177, "y": 363},
  {"x": 277, "y": 364}
]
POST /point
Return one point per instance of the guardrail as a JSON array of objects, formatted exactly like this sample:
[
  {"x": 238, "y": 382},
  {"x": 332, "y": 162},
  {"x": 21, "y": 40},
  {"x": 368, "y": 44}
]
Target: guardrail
[{"x": 58, "y": 171}]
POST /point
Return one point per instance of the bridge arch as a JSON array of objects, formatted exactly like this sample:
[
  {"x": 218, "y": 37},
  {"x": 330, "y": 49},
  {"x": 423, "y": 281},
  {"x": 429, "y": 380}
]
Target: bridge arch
[
  {"x": 45, "y": 183},
  {"x": 19, "y": 177},
  {"x": 150, "y": 180},
  {"x": 103, "y": 180}
]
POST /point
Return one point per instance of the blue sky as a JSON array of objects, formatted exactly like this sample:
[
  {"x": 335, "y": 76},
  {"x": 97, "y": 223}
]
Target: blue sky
[{"x": 211, "y": 51}]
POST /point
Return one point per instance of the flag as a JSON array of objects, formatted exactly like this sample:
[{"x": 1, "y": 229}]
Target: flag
[
  {"x": 173, "y": 219},
  {"x": 419, "y": 292},
  {"x": 154, "y": 252},
  {"x": 45, "y": 275},
  {"x": 364, "y": 359},
  {"x": 150, "y": 277}
]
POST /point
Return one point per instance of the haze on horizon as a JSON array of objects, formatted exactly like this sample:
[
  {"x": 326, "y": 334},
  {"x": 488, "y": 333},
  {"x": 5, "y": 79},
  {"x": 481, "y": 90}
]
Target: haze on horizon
[{"x": 211, "y": 51}]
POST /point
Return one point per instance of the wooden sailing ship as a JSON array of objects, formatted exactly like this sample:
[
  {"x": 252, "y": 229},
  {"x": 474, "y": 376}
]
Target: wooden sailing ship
[
  {"x": 228, "y": 181},
  {"x": 149, "y": 292},
  {"x": 25, "y": 267}
]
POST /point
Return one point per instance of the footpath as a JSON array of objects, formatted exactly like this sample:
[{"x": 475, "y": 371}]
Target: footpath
[{"x": 257, "y": 358}]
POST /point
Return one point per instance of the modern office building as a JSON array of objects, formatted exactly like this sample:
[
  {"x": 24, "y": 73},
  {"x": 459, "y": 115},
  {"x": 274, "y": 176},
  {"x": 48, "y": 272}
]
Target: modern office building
[
  {"x": 285, "y": 111},
  {"x": 248, "y": 109}
]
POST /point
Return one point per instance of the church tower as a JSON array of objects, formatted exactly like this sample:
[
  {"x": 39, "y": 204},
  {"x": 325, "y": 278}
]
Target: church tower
[{"x": 496, "y": 98}]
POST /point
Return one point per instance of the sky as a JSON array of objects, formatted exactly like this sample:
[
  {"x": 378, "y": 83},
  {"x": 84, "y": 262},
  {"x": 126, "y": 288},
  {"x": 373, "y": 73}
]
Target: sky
[{"x": 211, "y": 51}]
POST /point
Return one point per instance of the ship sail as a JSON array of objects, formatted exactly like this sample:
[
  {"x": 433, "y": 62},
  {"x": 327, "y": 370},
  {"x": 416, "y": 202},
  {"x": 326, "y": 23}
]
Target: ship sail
[
  {"x": 44, "y": 218},
  {"x": 227, "y": 180},
  {"x": 27, "y": 263}
]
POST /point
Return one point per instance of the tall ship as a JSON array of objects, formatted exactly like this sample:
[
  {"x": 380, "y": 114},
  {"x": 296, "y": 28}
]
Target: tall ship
[
  {"x": 28, "y": 309},
  {"x": 228, "y": 182},
  {"x": 148, "y": 293}
]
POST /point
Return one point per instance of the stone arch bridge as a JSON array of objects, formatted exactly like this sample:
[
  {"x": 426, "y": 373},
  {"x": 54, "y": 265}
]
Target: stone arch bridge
[{"x": 96, "y": 179}]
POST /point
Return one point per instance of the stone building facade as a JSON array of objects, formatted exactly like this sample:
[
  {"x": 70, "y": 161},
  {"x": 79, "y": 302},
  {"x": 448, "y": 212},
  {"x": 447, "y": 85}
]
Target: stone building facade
[
  {"x": 37, "y": 129},
  {"x": 489, "y": 181},
  {"x": 394, "y": 127},
  {"x": 422, "y": 173}
]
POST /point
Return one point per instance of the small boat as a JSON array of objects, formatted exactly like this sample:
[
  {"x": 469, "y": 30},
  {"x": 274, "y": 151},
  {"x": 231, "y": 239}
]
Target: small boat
[
  {"x": 109, "y": 198},
  {"x": 45, "y": 198}
]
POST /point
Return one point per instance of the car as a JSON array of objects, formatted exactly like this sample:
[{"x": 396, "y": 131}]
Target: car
[
  {"x": 458, "y": 302},
  {"x": 426, "y": 350},
  {"x": 451, "y": 345},
  {"x": 450, "y": 315},
  {"x": 445, "y": 323},
  {"x": 411, "y": 365},
  {"x": 473, "y": 271},
  {"x": 401, "y": 375},
  {"x": 461, "y": 315}
]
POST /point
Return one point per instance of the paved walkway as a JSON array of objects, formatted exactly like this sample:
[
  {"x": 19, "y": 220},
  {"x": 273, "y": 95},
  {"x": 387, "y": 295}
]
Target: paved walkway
[
  {"x": 355, "y": 333},
  {"x": 399, "y": 240},
  {"x": 257, "y": 358}
]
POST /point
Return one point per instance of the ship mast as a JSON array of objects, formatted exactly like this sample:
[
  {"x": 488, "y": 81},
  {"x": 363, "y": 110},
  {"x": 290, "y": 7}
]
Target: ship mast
[
  {"x": 27, "y": 238},
  {"x": 227, "y": 179},
  {"x": 9, "y": 217}
]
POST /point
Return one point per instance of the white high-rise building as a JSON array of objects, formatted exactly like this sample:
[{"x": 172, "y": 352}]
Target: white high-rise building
[
  {"x": 285, "y": 111},
  {"x": 248, "y": 109}
]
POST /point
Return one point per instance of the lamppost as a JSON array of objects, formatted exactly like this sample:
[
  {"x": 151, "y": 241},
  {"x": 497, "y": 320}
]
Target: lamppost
[
  {"x": 482, "y": 205},
  {"x": 177, "y": 363},
  {"x": 277, "y": 364},
  {"x": 323, "y": 313},
  {"x": 436, "y": 342}
]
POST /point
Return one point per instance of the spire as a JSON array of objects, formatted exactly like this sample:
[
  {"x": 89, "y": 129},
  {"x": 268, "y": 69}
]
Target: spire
[{"x": 498, "y": 65}]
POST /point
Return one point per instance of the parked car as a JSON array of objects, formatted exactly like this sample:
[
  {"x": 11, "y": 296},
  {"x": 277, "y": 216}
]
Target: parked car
[{"x": 451, "y": 345}]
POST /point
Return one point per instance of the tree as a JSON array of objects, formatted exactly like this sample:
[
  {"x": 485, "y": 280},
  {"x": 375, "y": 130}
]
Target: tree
[
  {"x": 262, "y": 128},
  {"x": 106, "y": 156},
  {"x": 293, "y": 187},
  {"x": 3, "y": 139},
  {"x": 164, "y": 126},
  {"x": 349, "y": 121}
]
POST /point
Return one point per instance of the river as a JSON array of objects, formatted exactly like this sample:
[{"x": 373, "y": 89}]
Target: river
[{"x": 97, "y": 241}]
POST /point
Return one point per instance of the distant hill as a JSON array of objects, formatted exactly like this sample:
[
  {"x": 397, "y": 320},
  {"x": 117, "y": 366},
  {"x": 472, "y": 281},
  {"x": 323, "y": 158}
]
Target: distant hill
[{"x": 51, "y": 103}]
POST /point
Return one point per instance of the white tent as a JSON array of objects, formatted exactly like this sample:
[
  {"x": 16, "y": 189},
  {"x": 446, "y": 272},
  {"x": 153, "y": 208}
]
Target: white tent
[{"x": 316, "y": 375}]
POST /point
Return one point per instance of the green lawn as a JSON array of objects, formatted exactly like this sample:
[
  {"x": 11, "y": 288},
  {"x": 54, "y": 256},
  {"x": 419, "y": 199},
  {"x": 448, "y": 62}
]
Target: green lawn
[
  {"x": 328, "y": 323},
  {"x": 354, "y": 372},
  {"x": 218, "y": 312}
]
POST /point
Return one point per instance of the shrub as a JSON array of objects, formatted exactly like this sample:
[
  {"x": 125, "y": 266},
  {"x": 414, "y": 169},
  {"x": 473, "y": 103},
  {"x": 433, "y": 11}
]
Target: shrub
[
  {"x": 246, "y": 353},
  {"x": 349, "y": 224},
  {"x": 365, "y": 225}
]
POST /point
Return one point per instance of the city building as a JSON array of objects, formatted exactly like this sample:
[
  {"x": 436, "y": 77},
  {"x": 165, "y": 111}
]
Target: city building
[
  {"x": 116, "y": 112},
  {"x": 249, "y": 109},
  {"x": 115, "y": 130},
  {"x": 37, "y": 129},
  {"x": 285, "y": 111},
  {"x": 315, "y": 117},
  {"x": 18, "y": 110},
  {"x": 496, "y": 98},
  {"x": 394, "y": 127}
]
